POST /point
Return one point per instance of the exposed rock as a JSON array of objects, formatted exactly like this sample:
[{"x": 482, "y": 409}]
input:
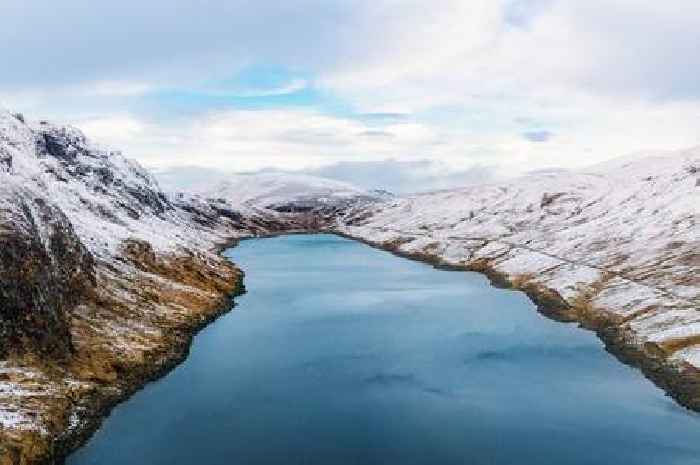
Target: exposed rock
[{"x": 45, "y": 271}]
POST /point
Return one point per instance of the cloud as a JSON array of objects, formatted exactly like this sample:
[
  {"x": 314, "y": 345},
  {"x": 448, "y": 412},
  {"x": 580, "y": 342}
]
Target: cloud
[
  {"x": 637, "y": 47},
  {"x": 382, "y": 117},
  {"x": 461, "y": 84},
  {"x": 166, "y": 42},
  {"x": 189, "y": 178},
  {"x": 112, "y": 89},
  {"x": 114, "y": 129},
  {"x": 421, "y": 155},
  {"x": 631, "y": 48},
  {"x": 376, "y": 133},
  {"x": 294, "y": 86},
  {"x": 396, "y": 176},
  {"x": 521, "y": 13},
  {"x": 244, "y": 140},
  {"x": 405, "y": 176},
  {"x": 634, "y": 48}
]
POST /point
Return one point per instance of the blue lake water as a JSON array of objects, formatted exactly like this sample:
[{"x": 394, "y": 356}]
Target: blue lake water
[{"x": 343, "y": 354}]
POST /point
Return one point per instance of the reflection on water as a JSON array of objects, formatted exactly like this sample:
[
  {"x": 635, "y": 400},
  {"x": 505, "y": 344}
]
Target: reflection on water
[{"x": 342, "y": 354}]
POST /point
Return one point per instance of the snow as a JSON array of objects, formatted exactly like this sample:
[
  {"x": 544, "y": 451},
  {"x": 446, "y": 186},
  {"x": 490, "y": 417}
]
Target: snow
[
  {"x": 15, "y": 420},
  {"x": 106, "y": 197},
  {"x": 569, "y": 280},
  {"x": 532, "y": 262},
  {"x": 689, "y": 355},
  {"x": 263, "y": 189},
  {"x": 19, "y": 386}
]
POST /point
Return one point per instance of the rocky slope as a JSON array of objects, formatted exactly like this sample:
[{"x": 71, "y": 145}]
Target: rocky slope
[
  {"x": 614, "y": 248},
  {"x": 44, "y": 272},
  {"x": 103, "y": 280}
]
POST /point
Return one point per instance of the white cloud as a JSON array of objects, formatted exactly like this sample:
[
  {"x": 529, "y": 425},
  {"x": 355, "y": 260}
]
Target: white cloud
[
  {"x": 294, "y": 86},
  {"x": 468, "y": 79},
  {"x": 112, "y": 89},
  {"x": 113, "y": 130},
  {"x": 461, "y": 49},
  {"x": 249, "y": 140},
  {"x": 253, "y": 139}
]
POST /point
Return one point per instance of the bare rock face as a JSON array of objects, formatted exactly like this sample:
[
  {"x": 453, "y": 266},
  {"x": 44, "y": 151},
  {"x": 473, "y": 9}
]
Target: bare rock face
[
  {"x": 5, "y": 162},
  {"x": 44, "y": 272},
  {"x": 65, "y": 153}
]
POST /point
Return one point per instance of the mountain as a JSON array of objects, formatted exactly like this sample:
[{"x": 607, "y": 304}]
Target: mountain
[
  {"x": 290, "y": 193},
  {"x": 104, "y": 278}
]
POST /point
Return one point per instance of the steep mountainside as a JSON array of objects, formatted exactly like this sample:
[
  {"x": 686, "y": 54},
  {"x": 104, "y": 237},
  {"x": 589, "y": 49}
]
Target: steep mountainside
[
  {"x": 103, "y": 280},
  {"x": 615, "y": 248},
  {"x": 44, "y": 272}
]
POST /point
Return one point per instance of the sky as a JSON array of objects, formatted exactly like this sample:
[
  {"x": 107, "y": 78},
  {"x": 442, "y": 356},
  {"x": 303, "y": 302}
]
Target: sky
[{"x": 400, "y": 94}]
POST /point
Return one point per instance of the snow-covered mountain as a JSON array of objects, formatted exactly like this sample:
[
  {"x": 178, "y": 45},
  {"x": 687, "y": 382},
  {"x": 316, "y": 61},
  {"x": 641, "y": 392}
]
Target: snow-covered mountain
[
  {"x": 287, "y": 192},
  {"x": 106, "y": 197},
  {"x": 103, "y": 280}
]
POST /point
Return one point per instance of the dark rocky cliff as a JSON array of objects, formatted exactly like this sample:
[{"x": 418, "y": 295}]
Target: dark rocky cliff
[{"x": 44, "y": 272}]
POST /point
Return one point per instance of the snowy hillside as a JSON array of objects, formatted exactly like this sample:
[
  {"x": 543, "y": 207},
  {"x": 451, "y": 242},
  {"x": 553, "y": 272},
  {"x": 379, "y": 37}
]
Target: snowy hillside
[
  {"x": 287, "y": 192},
  {"x": 616, "y": 245},
  {"x": 106, "y": 197}
]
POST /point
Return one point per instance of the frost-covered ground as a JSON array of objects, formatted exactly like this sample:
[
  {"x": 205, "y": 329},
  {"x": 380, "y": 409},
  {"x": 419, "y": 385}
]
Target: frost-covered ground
[{"x": 621, "y": 240}]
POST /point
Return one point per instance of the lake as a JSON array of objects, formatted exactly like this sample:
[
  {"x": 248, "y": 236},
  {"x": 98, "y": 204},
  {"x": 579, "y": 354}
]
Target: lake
[{"x": 343, "y": 354}]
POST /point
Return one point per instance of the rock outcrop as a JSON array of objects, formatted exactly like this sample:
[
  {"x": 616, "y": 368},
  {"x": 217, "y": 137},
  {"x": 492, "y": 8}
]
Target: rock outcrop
[{"x": 45, "y": 271}]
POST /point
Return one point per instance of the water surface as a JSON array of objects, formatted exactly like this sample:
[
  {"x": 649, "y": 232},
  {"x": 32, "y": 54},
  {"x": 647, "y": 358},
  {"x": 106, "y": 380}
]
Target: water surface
[{"x": 343, "y": 354}]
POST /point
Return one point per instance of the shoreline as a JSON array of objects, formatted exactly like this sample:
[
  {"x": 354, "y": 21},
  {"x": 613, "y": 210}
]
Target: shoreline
[
  {"x": 680, "y": 383},
  {"x": 206, "y": 280},
  {"x": 103, "y": 407}
]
